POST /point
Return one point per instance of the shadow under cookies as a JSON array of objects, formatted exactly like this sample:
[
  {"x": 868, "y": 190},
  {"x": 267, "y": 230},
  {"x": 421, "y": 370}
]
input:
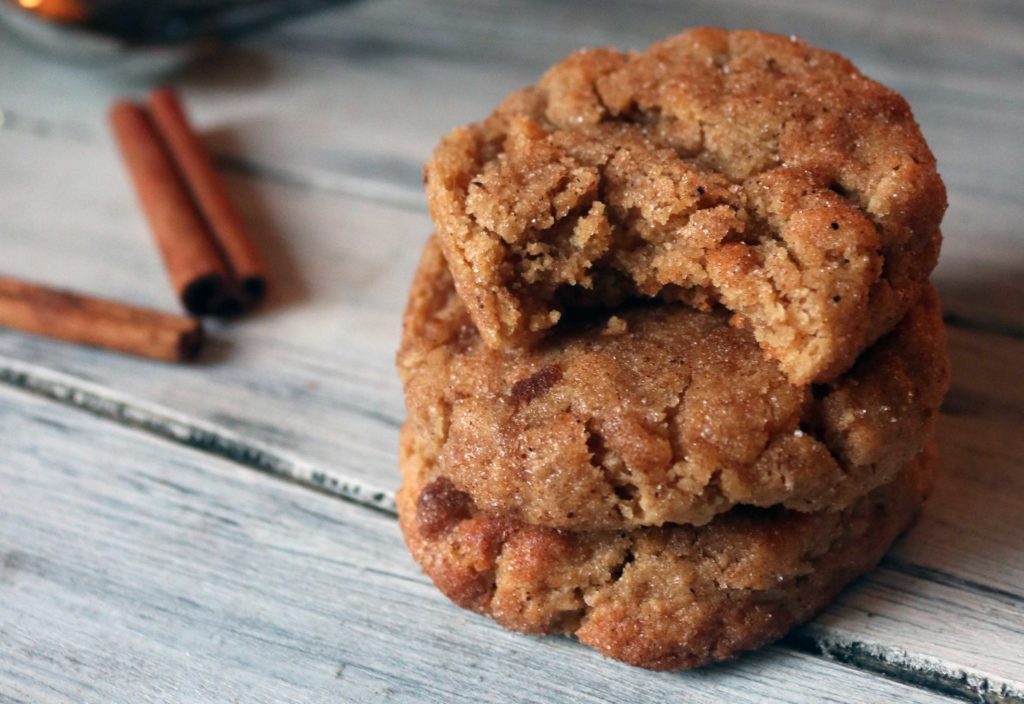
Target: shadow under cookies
[{"x": 973, "y": 525}]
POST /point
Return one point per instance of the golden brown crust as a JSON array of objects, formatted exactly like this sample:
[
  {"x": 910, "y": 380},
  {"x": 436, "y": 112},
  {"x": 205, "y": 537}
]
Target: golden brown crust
[
  {"x": 738, "y": 168},
  {"x": 660, "y": 415},
  {"x": 662, "y": 598}
]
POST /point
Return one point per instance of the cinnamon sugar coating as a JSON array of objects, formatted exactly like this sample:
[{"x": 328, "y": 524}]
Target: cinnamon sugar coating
[
  {"x": 659, "y": 414},
  {"x": 663, "y": 598},
  {"x": 736, "y": 168}
]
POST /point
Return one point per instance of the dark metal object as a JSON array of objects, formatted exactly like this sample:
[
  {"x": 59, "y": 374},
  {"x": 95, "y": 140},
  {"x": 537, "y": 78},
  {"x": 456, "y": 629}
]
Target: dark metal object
[{"x": 103, "y": 32}]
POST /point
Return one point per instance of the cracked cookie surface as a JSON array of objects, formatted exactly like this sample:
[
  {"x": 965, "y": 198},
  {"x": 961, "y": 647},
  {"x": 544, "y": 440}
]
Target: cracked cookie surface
[
  {"x": 663, "y": 598},
  {"x": 739, "y": 169},
  {"x": 659, "y": 414}
]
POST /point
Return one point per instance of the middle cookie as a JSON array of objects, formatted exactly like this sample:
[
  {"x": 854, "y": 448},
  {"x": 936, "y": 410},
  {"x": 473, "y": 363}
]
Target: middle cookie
[{"x": 661, "y": 414}]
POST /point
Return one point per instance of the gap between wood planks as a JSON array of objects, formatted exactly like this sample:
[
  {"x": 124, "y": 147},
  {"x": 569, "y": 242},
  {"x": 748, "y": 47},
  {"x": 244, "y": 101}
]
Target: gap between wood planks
[{"x": 910, "y": 668}]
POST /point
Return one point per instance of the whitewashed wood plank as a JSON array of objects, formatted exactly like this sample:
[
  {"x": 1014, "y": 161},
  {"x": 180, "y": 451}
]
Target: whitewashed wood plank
[
  {"x": 321, "y": 354},
  {"x": 962, "y": 640},
  {"x": 953, "y": 587},
  {"x": 958, "y": 573},
  {"x": 931, "y": 614},
  {"x": 144, "y": 571},
  {"x": 974, "y": 525}
]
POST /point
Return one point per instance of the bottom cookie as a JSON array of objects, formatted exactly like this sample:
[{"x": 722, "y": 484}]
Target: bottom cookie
[{"x": 674, "y": 597}]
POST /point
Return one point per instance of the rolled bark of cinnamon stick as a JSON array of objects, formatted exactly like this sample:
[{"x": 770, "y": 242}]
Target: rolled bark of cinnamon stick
[
  {"x": 209, "y": 193},
  {"x": 193, "y": 263},
  {"x": 97, "y": 322}
]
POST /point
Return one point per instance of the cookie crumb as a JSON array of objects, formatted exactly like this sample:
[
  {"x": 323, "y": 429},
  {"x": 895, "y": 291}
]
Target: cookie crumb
[{"x": 615, "y": 326}]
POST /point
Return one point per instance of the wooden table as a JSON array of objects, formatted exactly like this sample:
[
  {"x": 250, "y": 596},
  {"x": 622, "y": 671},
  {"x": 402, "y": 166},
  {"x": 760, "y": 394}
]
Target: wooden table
[{"x": 225, "y": 531}]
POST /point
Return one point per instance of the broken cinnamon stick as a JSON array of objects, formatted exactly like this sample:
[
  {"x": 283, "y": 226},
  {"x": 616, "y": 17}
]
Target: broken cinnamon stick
[
  {"x": 193, "y": 263},
  {"x": 97, "y": 322},
  {"x": 208, "y": 191}
]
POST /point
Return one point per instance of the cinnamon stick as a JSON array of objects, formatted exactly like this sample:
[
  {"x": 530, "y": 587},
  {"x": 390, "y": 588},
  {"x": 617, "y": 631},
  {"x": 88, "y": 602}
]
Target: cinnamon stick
[
  {"x": 208, "y": 192},
  {"x": 193, "y": 263},
  {"x": 100, "y": 323}
]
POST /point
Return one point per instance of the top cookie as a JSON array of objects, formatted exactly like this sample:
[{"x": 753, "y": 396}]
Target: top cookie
[{"x": 735, "y": 168}]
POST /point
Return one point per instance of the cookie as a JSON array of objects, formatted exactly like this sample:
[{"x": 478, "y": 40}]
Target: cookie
[
  {"x": 658, "y": 414},
  {"x": 740, "y": 169},
  {"x": 663, "y": 598}
]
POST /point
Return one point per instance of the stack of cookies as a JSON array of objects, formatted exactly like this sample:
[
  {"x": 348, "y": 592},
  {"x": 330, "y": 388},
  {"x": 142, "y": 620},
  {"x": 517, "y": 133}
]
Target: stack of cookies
[{"x": 672, "y": 361}]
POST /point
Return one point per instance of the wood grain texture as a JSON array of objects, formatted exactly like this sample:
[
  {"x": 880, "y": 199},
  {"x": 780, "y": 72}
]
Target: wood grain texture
[
  {"x": 944, "y": 611},
  {"x": 173, "y": 576},
  {"x": 323, "y": 125}
]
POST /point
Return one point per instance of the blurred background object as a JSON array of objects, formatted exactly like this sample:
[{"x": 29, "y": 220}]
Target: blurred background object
[{"x": 145, "y": 32}]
